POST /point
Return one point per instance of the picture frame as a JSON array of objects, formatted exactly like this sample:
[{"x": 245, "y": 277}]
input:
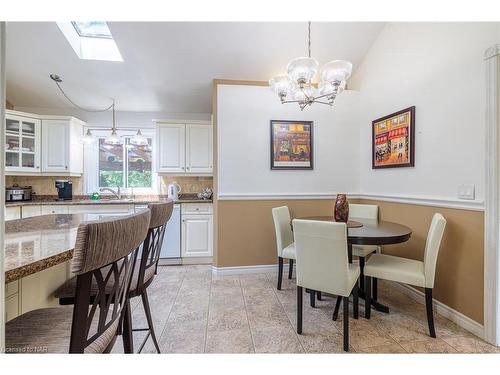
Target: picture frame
[
  {"x": 291, "y": 145},
  {"x": 393, "y": 140}
]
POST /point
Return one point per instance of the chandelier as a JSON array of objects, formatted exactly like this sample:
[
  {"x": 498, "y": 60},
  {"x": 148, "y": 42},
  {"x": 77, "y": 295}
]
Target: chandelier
[
  {"x": 113, "y": 138},
  {"x": 297, "y": 85}
]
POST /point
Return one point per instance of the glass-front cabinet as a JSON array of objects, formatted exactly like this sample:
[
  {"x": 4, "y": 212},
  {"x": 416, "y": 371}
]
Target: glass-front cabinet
[{"x": 22, "y": 143}]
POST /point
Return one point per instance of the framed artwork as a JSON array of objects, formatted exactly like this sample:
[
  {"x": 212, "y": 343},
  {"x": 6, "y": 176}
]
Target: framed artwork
[
  {"x": 393, "y": 140},
  {"x": 291, "y": 144}
]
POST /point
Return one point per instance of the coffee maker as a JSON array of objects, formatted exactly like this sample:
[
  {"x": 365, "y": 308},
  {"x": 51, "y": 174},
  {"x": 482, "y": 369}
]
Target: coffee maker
[{"x": 64, "y": 190}]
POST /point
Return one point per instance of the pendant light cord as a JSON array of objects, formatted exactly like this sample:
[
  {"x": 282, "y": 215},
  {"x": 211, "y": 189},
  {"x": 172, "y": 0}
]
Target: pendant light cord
[
  {"x": 58, "y": 81},
  {"x": 309, "y": 39}
]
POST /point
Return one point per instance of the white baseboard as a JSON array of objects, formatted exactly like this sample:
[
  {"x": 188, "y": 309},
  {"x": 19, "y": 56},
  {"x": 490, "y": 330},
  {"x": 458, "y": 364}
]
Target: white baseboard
[
  {"x": 240, "y": 270},
  {"x": 443, "y": 310}
]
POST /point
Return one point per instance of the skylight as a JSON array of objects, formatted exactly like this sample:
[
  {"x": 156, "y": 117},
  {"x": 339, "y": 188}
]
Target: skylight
[
  {"x": 91, "y": 40},
  {"x": 92, "y": 29}
]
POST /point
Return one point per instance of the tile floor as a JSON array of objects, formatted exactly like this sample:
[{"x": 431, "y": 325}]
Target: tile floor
[{"x": 195, "y": 312}]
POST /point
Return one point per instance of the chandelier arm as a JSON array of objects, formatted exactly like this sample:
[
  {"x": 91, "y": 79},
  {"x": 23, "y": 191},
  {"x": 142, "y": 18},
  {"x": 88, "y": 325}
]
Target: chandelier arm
[
  {"x": 321, "y": 96},
  {"x": 290, "y": 101},
  {"x": 320, "y": 102}
]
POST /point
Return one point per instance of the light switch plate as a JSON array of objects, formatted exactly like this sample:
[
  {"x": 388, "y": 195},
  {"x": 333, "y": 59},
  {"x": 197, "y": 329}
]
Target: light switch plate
[{"x": 467, "y": 191}]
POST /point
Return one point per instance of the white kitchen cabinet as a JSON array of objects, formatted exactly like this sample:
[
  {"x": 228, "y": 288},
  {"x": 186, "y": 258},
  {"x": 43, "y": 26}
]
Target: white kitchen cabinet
[
  {"x": 22, "y": 143},
  {"x": 198, "y": 148},
  {"x": 37, "y": 145},
  {"x": 12, "y": 213},
  {"x": 30, "y": 211},
  {"x": 54, "y": 209},
  {"x": 197, "y": 230},
  {"x": 62, "y": 150},
  {"x": 184, "y": 148},
  {"x": 171, "y": 147},
  {"x": 101, "y": 208}
]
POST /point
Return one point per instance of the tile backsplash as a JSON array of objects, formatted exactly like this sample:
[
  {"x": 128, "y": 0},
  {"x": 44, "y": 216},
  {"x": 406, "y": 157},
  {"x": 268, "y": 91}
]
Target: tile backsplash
[
  {"x": 188, "y": 184},
  {"x": 44, "y": 185}
]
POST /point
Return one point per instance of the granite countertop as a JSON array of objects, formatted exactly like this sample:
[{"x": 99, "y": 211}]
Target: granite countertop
[
  {"x": 40, "y": 242},
  {"x": 82, "y": 200}
]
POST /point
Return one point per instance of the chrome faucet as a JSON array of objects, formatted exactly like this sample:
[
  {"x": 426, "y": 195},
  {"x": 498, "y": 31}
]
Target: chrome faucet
[{"x": 116, "y": 193}]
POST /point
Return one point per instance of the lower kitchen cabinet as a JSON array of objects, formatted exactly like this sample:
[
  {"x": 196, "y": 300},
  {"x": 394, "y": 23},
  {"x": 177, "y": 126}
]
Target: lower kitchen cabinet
[
  {"x": 197, "y": 233},
  {"x": 54, "y": 209},
  {"x": 12, "y": 213},
  {"x": 30, "y": 211}
]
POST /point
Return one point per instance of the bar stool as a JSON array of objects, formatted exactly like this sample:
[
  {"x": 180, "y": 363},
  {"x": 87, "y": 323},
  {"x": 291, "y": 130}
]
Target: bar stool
[
  {"x": 143, "y": 275},
  {"x": 110, "y": 245}
]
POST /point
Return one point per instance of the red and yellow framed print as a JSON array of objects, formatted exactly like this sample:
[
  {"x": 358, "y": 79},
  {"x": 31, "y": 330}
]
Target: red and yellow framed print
[
  {"x": 291, "y": 144},
  {"x": 393, "y": 140}
]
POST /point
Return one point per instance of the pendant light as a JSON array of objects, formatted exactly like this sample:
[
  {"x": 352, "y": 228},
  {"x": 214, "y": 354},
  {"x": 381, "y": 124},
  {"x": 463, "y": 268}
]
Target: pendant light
[
  {"x": 139, "y": 139},
  {"x": 113, "y": 138},
  {"x": 87, "y": 138}
]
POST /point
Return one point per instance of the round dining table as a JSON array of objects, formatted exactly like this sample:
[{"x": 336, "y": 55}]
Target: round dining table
[{"x": 370, "y": 232}]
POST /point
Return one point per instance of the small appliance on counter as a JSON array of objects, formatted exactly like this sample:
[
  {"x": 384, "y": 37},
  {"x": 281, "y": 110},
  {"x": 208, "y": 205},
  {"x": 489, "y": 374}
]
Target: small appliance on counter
[
  {"x": 173, "y": 191},
  {"x": 17, "y": 193},
  {"x": 64, "y": 190}
]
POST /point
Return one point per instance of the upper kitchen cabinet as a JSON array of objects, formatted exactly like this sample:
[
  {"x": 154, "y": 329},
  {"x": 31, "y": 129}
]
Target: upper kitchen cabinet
[
  {"x": 22, "y": 143},
  {"x": 185, "y": 148},
  {"x": 42, "y": 145},
  {"x": 171, "y": 148},
  {"x": 62, "y": 150}
]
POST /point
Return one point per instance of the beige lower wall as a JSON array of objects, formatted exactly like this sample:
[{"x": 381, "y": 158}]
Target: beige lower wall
[{"x": 245, "y": 236}]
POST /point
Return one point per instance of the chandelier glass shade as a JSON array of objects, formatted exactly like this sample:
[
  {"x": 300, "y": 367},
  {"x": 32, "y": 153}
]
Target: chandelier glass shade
[
  {"x": 139, "y": 139},
  {"x": 298, "y": 85}
]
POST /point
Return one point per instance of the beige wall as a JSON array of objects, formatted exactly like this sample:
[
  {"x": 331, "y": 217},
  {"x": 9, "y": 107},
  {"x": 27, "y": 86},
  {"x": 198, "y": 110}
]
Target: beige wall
[
  {"x": 44, "y": 185},
  {"x": 246, "y": 237}
]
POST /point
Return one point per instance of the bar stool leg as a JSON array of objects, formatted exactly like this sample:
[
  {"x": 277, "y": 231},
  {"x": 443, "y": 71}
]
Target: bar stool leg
[
  {"x": 147, "y": 310},
  {"x": 128, "y": 341}
]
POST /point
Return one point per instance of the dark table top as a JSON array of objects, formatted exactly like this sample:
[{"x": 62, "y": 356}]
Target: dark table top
[{"x": 373, "y": 232}]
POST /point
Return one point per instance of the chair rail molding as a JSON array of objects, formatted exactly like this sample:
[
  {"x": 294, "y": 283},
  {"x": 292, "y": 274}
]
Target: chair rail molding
[{"x": 492, "y": 200}]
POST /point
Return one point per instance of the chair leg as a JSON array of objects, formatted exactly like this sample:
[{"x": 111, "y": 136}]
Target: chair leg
[
  {"x": 312, "y": 295},
  {"x": 299, "y": 309},
  {"x": 280, "y": 272},
  {"x": 362, "y": 273},
  {"x": 374, "y": 288},
  {"x": 318, "y": 294},
  {"x": 346, "y": 323},
  {"x": 368, "y": 296},
  {"x": 128, "y": 342},
  {"x": 430, "y": 315},
  {"x": 337, "y": 308},
  {"x": 147, "y": 310},
  {"x": 290, "y": 268},
  {"x": 355, "y": 301}
]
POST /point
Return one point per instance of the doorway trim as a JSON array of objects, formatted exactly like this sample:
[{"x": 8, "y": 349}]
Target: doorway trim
[{"x": 492, "y": 200}]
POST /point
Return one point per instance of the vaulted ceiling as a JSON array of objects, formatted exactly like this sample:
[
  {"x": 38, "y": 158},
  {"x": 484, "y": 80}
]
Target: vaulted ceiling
[{"x": 168, "y": 66}]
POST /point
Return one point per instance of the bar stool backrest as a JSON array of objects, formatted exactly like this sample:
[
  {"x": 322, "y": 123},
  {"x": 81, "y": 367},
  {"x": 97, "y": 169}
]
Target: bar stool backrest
[
  {"x": 151, "y": 249},
  {"x": 105, "y": 251}
]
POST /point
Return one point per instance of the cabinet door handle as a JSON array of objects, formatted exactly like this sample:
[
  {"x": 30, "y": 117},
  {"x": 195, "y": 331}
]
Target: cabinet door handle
[{"x": 66, "y": 167}]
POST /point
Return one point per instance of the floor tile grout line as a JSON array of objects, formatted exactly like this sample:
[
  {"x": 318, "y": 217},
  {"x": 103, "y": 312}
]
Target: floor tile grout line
[
  {"x": 246, "y": 314},
  {"x": 208, "y": 313},
  {"x": 173, "y": 304},
  {"x": 288, "y": 318}
]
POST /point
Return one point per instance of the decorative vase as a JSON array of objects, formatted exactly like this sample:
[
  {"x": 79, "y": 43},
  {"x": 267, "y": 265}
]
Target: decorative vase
[{"x": 341, "y": 208}]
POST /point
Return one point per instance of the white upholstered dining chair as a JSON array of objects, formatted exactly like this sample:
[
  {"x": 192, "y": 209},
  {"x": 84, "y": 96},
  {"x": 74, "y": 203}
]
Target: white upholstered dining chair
[
  {"x": 363, "y": 211},
  {"x": 323, "y": 265},
  {"x": 409, "y": 271},
  {"x": 284, "y": 240}
]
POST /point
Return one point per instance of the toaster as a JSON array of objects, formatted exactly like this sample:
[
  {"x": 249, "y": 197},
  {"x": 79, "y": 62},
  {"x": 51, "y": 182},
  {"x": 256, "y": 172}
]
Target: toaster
[{"x": 18, "y": 193}]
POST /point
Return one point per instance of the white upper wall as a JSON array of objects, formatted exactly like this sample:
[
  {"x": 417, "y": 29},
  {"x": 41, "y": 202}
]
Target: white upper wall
[
  {"x": 439, "y": 68},
  {"x": 244, "y": 115}
]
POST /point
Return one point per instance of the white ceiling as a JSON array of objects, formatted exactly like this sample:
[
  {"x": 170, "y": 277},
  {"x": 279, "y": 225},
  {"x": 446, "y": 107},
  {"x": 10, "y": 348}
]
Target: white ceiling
[{"x": 168, "y": 66}]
